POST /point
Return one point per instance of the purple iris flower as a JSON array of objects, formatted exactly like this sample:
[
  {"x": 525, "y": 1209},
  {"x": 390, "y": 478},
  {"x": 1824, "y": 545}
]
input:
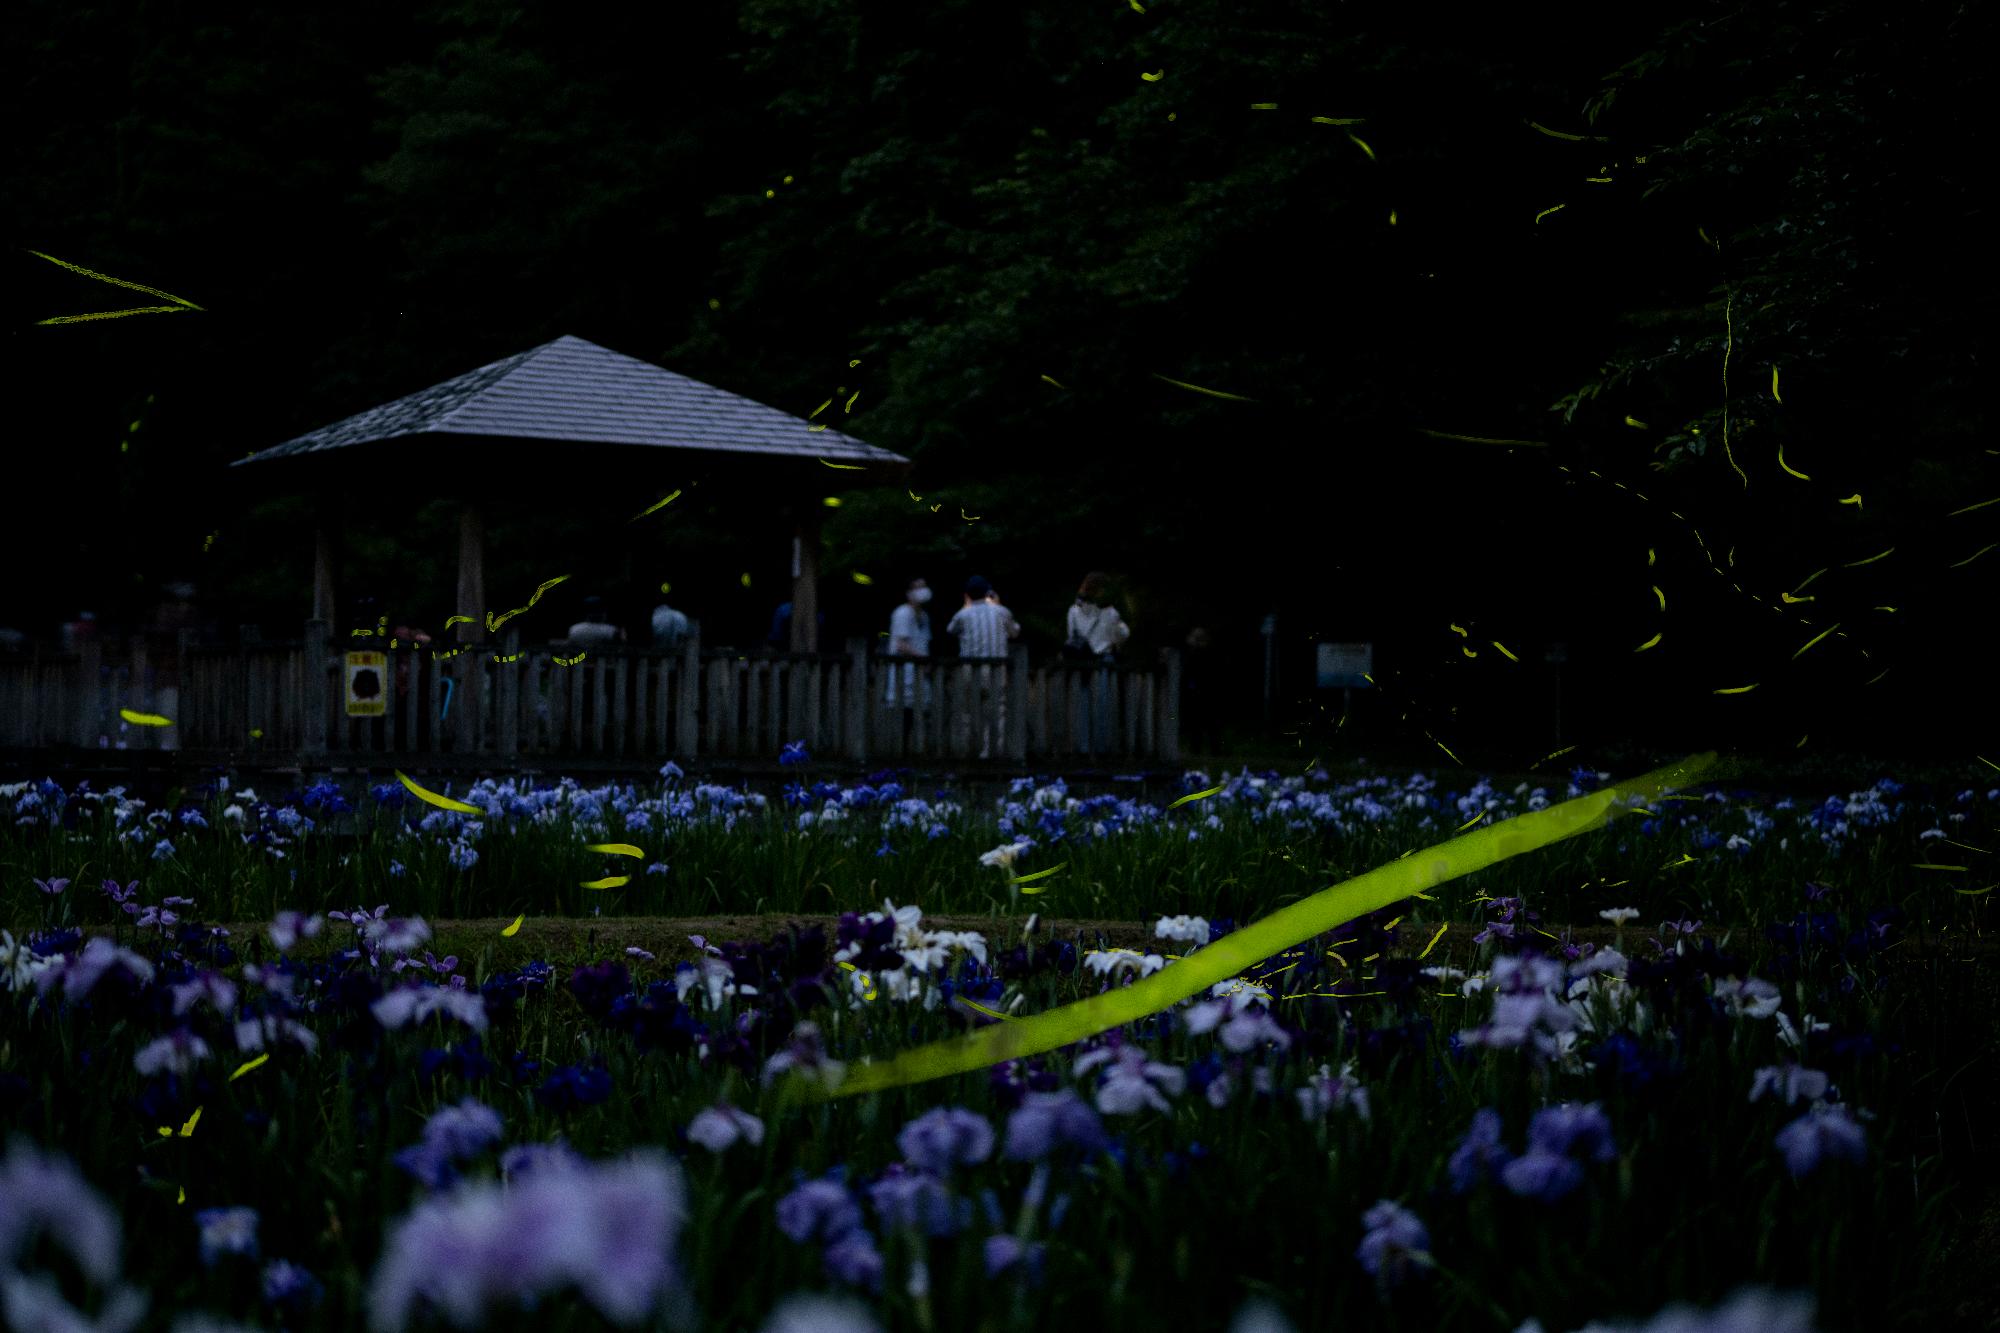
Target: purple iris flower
[
  {"x": 1542, "y": 1175},
  {"x": 1828, "y": 1132},
  {"x": 909, "y": 1200},
  {"x": 1573, "y": 1130},
  {"x": 1050, "y": 1121},
  {"x": 855, "y": 1260},
  {"x": 819, "y": 1210},
  {"x": 1394, "y": 1237},
  {"x": 944, "y": 1137},
  {"x": 1480, "y": 1154}
]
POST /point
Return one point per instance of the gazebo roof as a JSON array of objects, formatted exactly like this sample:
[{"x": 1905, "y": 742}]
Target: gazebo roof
[{"x": 575, "y": 391}]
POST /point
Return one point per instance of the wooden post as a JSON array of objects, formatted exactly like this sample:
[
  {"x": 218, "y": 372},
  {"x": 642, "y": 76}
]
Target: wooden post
[
  {"x": 471, "y": 572},
  {"x": 141, "y": 697},
  {"x": 805, "y": 583},
  {"x": 1170, "y": 710},
  {"x": 858, "y": 696},
  {"x": 89, "y": 694},
  {"x": 1017, "y": 704},
  {"x": 508, "y": 730},
  {"x": 661, "y": 746},
  {"x": 687, "y": 698},
  {"x": 325, "y": 525}
]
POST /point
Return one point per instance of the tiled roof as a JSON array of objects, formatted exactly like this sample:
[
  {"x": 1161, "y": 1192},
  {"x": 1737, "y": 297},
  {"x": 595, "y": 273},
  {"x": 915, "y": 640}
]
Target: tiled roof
[{"x": 575, "y": 390}]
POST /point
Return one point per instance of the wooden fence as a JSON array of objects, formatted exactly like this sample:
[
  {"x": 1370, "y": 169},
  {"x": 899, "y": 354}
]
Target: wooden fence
[{"x": 505, "y": 704}]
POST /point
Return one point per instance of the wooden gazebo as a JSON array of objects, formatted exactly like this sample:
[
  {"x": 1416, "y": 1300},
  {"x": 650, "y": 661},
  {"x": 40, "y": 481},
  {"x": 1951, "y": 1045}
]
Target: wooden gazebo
[
  {"x": 571, "y": 416},
  {"x": 582, "y": 412}
]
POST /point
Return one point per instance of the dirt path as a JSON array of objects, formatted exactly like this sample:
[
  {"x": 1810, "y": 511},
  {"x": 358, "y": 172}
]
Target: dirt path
[{"x": 591, "y": 938}]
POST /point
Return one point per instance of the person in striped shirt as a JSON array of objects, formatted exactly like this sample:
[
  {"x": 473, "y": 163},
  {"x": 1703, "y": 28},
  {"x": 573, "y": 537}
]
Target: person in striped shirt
[{"x": 982, "y": 629}]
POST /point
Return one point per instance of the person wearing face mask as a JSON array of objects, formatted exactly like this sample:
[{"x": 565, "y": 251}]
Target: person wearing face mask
[{"x": 909, "y": 637}]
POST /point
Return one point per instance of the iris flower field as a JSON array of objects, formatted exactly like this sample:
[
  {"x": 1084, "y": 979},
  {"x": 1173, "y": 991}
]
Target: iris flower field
[{"x": 342, "y": 1058}]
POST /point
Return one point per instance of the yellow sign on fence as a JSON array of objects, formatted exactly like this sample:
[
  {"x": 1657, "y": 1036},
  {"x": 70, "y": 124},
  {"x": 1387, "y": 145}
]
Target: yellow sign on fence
[{"x": 367, "y": 684}]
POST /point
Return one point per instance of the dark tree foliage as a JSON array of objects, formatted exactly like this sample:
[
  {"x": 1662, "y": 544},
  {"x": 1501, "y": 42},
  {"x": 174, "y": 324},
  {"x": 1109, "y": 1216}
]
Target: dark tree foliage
[{"x": 1021, "y": 241}]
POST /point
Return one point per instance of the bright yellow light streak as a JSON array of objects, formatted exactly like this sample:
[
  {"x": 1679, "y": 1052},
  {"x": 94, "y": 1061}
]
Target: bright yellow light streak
[
  {"x": 187, "y": 1130},
  {"x": 1195, "y": 796},
  {"x": 1650, "y": 643},
  {"x": 608, "y": 882},
  {"x": 441, "y": 802},
  {"x": 1154, "y": 77},
  {"x": 1340, "y": 120},
  {"x": 990, "y": 1013},
  {"x": 1740, "y": 689},
  {"x": 1884, "y": 671},
  {"x": 1969, "y": 508},
  {"x": 1263, "y": 106},
  {"x": 1284, "y": 929},
  {"x": 1434, "y": 939},
  {"x": 1815, "y": 639},
  {"x": 1974, "y": 556},
  {"x": 1557, "y": 755},
  {"x": 1447, "y": 749},
  {"x": 1470, "y": 822},
  {"x": 1362, "y": 146},
  {"x": 1809, "y": 578},
  {"x": 249, "y": 1065},
  {"x": 844, "y": 467},
  {"x": 1870, "y": 560},
  {"x": 1774, "y": 383},
  {"x": 1039, "y": 874},
  {"x": 1545, "y": 212},
  {"x": 649, "y": 509},
  {"x": 1503, "y": 648},
  {"x": 1854, "y": 499},
  {"x": 1636, "y": 424},
  {"x": 1480, "y": 439},
  {"x": 1662, "y": 596},
  {"x": 1456, "y": 630},
  {"x": 1052, "y": 380},
  {"x": 515, "y": 929},
  {"x": 1468, "y": 652},
  {"x": 1930, "y": 865},
  {"x": 1974, "y": 893},
  {"x": 1573, "y": 138},
  {"x": 1213, "y": 393},
  {"x": 145, "y": 719},
  {"x": 1728, "y": 344},
  {"x": 617, "y": 849},
  {"x": 1787, "y": 466},
  {"x": 180, "y": 302},
  {"x": 1652, "y": 557}
]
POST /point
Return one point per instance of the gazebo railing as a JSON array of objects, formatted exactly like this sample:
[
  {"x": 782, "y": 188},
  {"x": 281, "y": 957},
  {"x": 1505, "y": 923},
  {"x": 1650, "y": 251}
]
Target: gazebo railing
[{"x": 537, "y": 706}]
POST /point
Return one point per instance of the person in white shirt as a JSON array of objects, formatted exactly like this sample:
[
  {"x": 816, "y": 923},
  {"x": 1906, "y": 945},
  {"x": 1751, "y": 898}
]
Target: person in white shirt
[
  {"x": 670, "y": 628},
  {"x": 594, "y": 630},
  {"x": 983, "y": 628},
  {"x": 1095, "y": 631},
  {"x": 909, "y": 636}
]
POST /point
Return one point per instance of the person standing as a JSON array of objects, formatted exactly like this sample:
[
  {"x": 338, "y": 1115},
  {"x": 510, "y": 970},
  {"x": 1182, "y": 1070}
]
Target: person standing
[
  {"x": 1095, "y": 632},
  {"x": 982, "y": 629},
  {"x": 670, "y": 628},
  {"x": 1198, "y": 697},
  {"x": 909, "y": 637},
  {"x": 594, "y": 631}
]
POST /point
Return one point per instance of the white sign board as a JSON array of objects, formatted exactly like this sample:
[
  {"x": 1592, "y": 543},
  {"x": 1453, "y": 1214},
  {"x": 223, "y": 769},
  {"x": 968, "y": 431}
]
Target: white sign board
[
  {"x": 1345, "y": 665},
  {"x": 367, "y": 684}
]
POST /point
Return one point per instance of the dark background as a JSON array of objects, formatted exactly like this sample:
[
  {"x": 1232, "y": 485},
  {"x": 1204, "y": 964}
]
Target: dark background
[{"x": 370, "y": 198}]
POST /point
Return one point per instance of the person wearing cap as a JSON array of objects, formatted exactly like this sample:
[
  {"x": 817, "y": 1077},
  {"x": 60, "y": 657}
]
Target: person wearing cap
[{"x": 983, "y": 628}]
